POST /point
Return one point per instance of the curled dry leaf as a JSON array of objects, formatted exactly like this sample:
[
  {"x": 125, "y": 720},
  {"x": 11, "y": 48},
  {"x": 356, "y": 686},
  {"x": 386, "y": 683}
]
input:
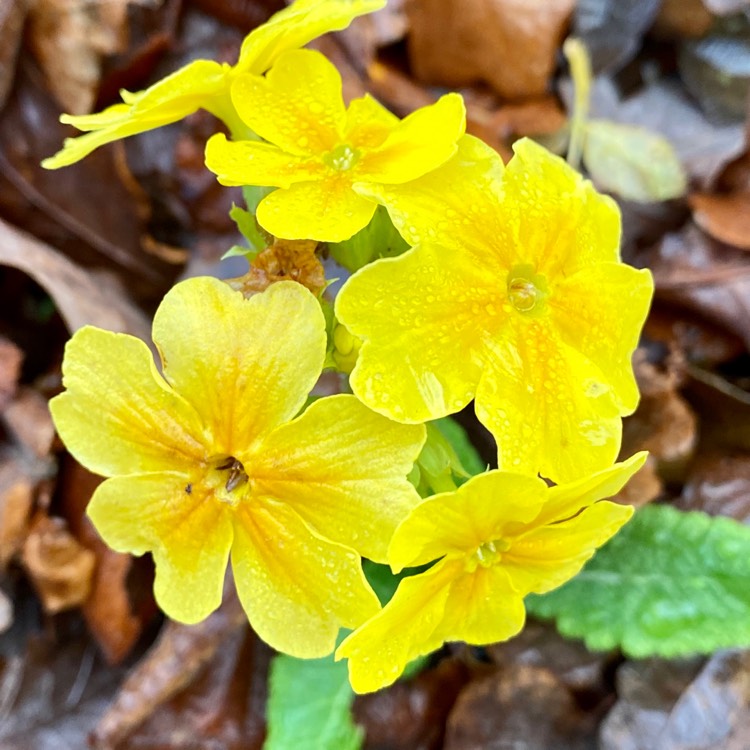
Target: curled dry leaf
[
  {"x": 510, "y": 44},
  {"x": 367, "y": 33},
  {"x": 59, "y": 567},
  {"x": 16, "y": 503},
  {"x": 169, "y": 667},
  {"x": 69, "y": 38},
  {"x": 11, "y": 358},
  {"x": 527, "y": 707},
  {"x": 29, "y": 421},
  {"x": 285, "y": 260},
  {"x": 719, "y": 484},
  {"x": 683, "y": 19},
  {"x": 12, "y": 17},
  {"x": 81, "y": 297},
  {"x": 681, "y": 705},
  {"x": 411, "y": 714},
  {"x": 726, "y": 217}
]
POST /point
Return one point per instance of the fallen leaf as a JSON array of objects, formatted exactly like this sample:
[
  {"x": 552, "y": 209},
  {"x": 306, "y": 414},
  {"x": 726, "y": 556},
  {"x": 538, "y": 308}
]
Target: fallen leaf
[
  {"x": 16, "y": 503},
  {"x": 527, "y": 707},
  {"x": 683, "y": 19},
  {"x": 681, "y": 705},
  {"x": 726, "y": 217},
  {"x": 612, "y": 30},
  {"x": 59, "y": 567},
  {"x": 12, "y": 17},
  {"x": 366, "y": 34},
  {"x": 411, "y": 714},
  {"x": 632, "y": 162},
  {"x": 82, "y": 297},
  {"x": 11, "y": 358},
  {"x": 69, "y": 38},
  {"x": 172, "y": 664},
  {"x": 719, "y": 484},
  {"x": 29, "y": 421},
  {"x": 510, "y": 44}
]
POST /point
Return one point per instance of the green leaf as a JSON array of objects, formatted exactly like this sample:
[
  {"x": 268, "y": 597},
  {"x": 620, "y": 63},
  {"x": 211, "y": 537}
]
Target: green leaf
[
  {"x": 632, "y": 162},
  {"x": 309, "y": 705},
  {"x": 669, "y": 584},
  {"x": 466, "y": 454}
]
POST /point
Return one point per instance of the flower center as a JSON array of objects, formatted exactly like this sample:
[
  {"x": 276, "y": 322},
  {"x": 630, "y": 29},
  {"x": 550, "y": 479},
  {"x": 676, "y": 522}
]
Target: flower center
[
  {"x": 487, "y": 554},
  {"x": 235, "y": 476},
  {"x": 527, "y": 290},
  {"x": 342, "y": 158}
]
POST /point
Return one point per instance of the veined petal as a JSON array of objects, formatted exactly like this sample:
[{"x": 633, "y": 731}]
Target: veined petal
[
  {"x": 456, "y": 205},
  {"x": 245, "y": 365},
  {"x": 457, "y": 523},
  {"x": 600, "y": 311},
  {"x": 327, "y": 210},
  {"x": 407, "y": 627},
  {"x": 368, "y": 123},
  {"x": 418, "y": 318},
  {"x": 169, "y": 100},
  {"x": 547, "y": 556},
  {"x": 117, "y": 415},
  {"x": 256, "y": 163},
  {"x": 297, "y": 25},
  {"x": 548, "y": 407},
  {"x": 296, "y": 587},
  {"x": 189, "y": 534},
  {"x": 298, "y": 106},
  {"x": 420, "y": 143},
  {"x": 343, "y": 469},
  {"x": 566, "y": 500},
  {"x": 560, "y": 223}
]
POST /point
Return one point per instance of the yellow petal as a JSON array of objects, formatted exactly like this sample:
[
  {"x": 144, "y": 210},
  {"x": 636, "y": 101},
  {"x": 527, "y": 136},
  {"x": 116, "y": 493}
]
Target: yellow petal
[
  {"x": 327, "y": 210},
  {"x": 444, "y": 604},
  {"x": 566, "y": 500},
  {"x": 547, "y": 556},
  {"x": 452, "y": 203},
  {"x": 297, "y": 25},
  {"x": 406, "y": 628},
  {"x": 189, "y": 534},
  {"x": 245, "y": 365},
  {"x": 183, "y": 92},
  {"x": 417, "y": 316},
  {"x": 420, "y": 143},
  {"x": 560, "y": 223},
  {"x": 549, "y": 408},
  {"x": 297, "y": 587},
  {"x": 256, "y": 163},
  {"x": 600, "y": 311},
  {"x": 457, "y": 523},
  {"x": 298, "y": 106},
  {"x": 343, "y": 469},
  {"x": 368, "y": 123},
  {"x": 117, "y": 415}
]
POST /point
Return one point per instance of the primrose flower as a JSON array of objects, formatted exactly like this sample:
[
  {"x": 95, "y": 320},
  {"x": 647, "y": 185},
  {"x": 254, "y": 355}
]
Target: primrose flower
[
  {"x": 205, "y": 84},
  {"x": 318, "y": 151},
  {"x": 514, "y": 295},
  {"x": 499, "y": 537},
  {"x": 207, "y": 459}
]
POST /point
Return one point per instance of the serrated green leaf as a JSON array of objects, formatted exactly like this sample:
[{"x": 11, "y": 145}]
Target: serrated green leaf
[
  {"x": 632, "y": 162},
  {"x": 669, "y": 584},
  {"x": 309, "y": 706}
]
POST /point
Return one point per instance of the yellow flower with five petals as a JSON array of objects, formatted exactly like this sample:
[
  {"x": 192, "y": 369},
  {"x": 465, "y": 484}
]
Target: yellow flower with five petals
[
  {"x": 205, "y": 84},
  {"x": 320, "y": 154},
  {"x": 498, "y": 538},
  {"x": 514, "y": 295},
  {"x": 207, "y": 457}
]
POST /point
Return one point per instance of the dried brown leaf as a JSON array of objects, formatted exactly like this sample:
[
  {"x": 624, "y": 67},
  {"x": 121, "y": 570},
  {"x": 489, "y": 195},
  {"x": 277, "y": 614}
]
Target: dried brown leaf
[
  {"x": 683, "y": 19},
  {"x": 681, "y": 705},
  {"x": 12, "y": 17},
  {"x": 59, "y": 567},
  {"x": 719, "y": 484},
  {"x": 11, "y": 358},
  {"x": 30, "y": 423},
  {"x": 510, "y": 44},
  {"x": 726, "y": 217},
  {"x": 16, "y": 503},
  {"x": 527, "y": 707}
]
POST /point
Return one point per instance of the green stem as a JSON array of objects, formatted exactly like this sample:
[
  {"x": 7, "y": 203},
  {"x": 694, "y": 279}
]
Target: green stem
[{"x": 580, "y": 70}]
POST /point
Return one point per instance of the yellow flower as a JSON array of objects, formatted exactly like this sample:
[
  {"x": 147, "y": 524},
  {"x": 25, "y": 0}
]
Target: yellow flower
[
  {"x": 514, "y": 295},
  {"x": 205, "y": 84},
  {"x": 206, "y": 457},
  {"x": 500, "y": 536},
  {"x": 318, "y": 151}
]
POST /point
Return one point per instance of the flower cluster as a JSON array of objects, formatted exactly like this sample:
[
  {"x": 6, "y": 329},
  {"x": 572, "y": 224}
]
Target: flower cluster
[{"x": 511, "y": 294}]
